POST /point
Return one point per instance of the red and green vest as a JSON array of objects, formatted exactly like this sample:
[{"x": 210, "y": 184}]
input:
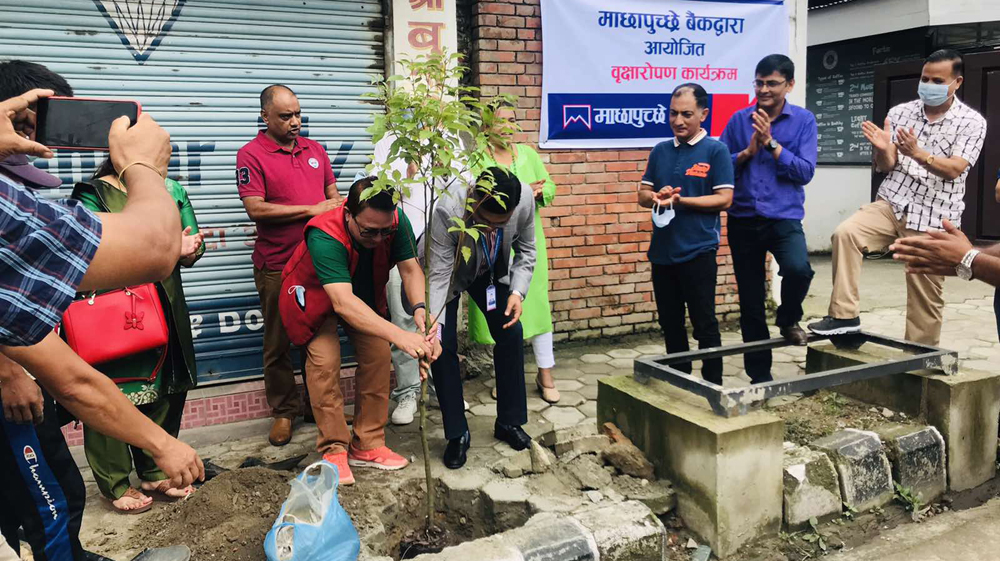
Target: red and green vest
[{"x": 303, "y": 303}]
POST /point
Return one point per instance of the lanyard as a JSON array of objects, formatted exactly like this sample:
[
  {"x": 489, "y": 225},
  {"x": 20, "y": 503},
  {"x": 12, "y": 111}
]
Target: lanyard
[{"x": 490, "y": 260}]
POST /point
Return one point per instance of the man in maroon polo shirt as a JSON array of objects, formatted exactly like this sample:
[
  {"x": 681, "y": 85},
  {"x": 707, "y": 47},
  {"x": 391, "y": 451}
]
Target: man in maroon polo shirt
[{"x": 284, "y": 180}]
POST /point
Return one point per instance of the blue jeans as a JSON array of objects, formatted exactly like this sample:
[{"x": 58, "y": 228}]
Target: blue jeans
[{"x": 750, "y": 239}]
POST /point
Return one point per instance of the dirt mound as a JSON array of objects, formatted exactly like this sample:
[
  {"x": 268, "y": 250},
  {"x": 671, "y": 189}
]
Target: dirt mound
[{"x": 226, "y": 519}]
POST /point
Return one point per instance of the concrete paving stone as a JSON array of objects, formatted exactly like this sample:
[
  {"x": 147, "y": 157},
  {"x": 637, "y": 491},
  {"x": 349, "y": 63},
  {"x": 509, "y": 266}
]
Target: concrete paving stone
[
  {"x": 536, "y": 427},
  {"x": 460, "y": 488},
  {"x": 485, "y": 396},
  {"x": 622, "y": 363},
  {"x": 513, "y": 466},
  {"x": 591, "y": 379},
  {"x": 786, "y": 371},
  {"x": 626, "y": 531},
  {"x": 651, "y": 349},
  {"x": 589, "y": 444},
  {"x": 917, "y": 455},
  {"x": 592, "y": 358},
  {"x": 560, "y": 436},
  {"x": 485, "y": 410},
  {"x": 537, "y": 404},
  {"x": 589, "y": 409},
  {"x": 571, "y": 399},
  {"x": 568, "y": 385},
  {"x": 504, "y": 449},
  {"x": 589, "y": 472},
  {"x": 566, "y": 373},
  {"x": 811, "y": 487},
  {"x": 563, "y": 416},
  {"x": 735, "y": 382},
  {"x": 505, "y": 503},
  {"x": 864, "y": 470},
  {"x": 604, "y": 368},
  {"x": 589, "y": 392},
  {"x": 624, "y": 353}
]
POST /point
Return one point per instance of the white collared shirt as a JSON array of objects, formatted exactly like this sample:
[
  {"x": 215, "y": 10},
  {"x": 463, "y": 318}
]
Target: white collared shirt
[{"x": 923, "y": 198}]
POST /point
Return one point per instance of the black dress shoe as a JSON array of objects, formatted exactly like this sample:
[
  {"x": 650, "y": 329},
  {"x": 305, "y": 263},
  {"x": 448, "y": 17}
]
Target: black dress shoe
[
  {"x": 795, "y": 335},
  {"x": 512, "y": 434},
  {"x": 454, "y": 453}
]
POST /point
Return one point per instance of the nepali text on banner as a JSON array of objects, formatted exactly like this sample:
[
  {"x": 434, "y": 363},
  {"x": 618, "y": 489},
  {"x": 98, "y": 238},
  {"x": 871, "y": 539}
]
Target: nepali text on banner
[{"x": 609, "y": 68}]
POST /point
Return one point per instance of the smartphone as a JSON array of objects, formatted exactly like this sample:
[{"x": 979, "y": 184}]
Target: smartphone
[{"x": 78, "y": 123}]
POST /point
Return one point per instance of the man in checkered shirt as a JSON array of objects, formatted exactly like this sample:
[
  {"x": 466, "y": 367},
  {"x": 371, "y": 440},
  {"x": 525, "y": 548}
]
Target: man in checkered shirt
[{"x": 927, "y": 146}]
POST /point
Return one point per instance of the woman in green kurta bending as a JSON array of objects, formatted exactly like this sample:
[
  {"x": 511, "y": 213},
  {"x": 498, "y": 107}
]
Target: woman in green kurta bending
[
  {"x": 536, "y": 317},
  {"x": 160, "y": 394}
]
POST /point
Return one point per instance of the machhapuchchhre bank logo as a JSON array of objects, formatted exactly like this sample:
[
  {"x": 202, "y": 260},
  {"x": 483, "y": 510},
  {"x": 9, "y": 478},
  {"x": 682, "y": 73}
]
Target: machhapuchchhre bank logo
[{"x": 577, "y": 114}]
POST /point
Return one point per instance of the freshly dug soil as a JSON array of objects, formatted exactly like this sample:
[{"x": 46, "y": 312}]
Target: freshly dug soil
[
  {"x": 226, "y": 519},
  {"x": 825, "y": 413}
]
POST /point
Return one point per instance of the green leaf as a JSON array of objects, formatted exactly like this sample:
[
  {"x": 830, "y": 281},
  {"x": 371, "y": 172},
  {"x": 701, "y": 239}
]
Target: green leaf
[{"x": 467, "y": 254}]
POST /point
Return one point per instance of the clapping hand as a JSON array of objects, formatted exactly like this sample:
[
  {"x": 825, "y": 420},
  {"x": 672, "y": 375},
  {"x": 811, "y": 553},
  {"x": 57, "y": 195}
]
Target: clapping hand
[
  {"x": 880, "y": 138},
  {"x": 936, "y": 253}
]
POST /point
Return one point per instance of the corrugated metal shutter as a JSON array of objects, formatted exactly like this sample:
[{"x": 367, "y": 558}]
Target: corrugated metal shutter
[{"x": 198, "y": 68}]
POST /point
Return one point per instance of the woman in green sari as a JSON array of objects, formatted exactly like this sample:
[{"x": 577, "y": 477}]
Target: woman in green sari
[
  {"x": 160, "y": 395},
  {"x": 536, "y": 316}
]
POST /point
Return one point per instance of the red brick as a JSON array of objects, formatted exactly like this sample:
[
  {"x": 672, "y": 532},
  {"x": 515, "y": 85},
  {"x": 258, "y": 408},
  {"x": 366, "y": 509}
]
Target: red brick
[
  {"x": 573, "y": 221},
  {"x": 587, "y": 189},
  {"x": 585, "y": 272},
  {"x": 560, "y": 295},
  {"x": 625, "y": 207},
  {"x": 565, "y": 263},
  {"x": 560, "y": 252},
  {"x": 496, "y": 56},
  {"x": 533, "y": 46},
  {"x": 526, "y": 10},
  {"x": 589, "y": 250},
  {"x": 617, "y": 310},
  {"x": 621, "y": 228},
  {"x": 616, "y": 289},
  {"x": 634, "y": 154},
  {"x": 493, "y": 33},
  {"x": 511, "y": 90},
  {"x": 564, "y": 242},
  {"x": 485, "y": 20},
  {"x": 533, "y": 91},
  {"x": 517, "y": 22},
  {"x": 602, "y": 156},
  {"x": 637, "y": 318},
  {"x": 602, "y": 219},
  {"x": 569, "y": 179},
  {"x": 602, "y": 178},
  {"x": 623, "y": 166},
  {"x": 630, "y": 176},
  {"x": 634, "y": 298},
  {"x": 485, "y": 45},
  {"x": 533, "y": 22},
  {"x": 620, "y": 269},
  {"x": 510, "y": 68},
  {"x": 568, "y": 284},
  {"x": 604, "y": 280},
  {"x": 633, "y": 257},
  {"x": 622, "y": 248},
  {"x": 635, "y": 238},
  {"x": 613, "y": 321},
  {"x": 526, "y": 80},
  {"x": 645, "y": 307},
  {"x": 556, "y": 211},
  {"x": 569, "y": 304},
  {"x": 567, "y": 157},
  {"x": 498, "y": 79},
  {"x": 588, "y": 168},
  {"x": 492, "y": 8},
  {"x": 603, "y": 260},
  {"x": 601, "y": 239},
  {"x": 515, "y": 46},
  {"x": 633, "y": 217},
  {"x": 587, "y": 313},
  {"x": 587, "y": 231},
  {"x": 527, "y": 58},
  {"x": 527, "y": 34},
  {"x": 487, "y": 67}
]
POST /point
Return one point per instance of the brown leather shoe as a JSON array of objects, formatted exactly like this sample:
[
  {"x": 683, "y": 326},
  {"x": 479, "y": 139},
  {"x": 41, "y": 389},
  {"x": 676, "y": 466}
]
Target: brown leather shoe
[
  {"x": 281, "y": 432},
  {"x": 795, "y": 335}
]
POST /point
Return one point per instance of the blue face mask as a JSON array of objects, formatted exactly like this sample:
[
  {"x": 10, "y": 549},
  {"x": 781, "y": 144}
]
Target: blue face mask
[{"x": 933, "y": 95}]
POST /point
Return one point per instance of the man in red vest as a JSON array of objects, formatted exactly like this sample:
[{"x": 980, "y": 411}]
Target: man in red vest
[{"x": 337, "y": 276}]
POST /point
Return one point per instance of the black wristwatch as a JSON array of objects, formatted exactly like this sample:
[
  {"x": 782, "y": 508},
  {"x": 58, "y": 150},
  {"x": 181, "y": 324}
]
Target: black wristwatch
[
  {"x": 771, "y": 146},
  {"x": 420, "y": 306}
]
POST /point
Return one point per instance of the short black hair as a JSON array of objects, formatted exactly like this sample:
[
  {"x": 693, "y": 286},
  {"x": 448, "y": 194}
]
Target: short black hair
[
  {"x": 506, "y": 187},
  {"x": 379, "y": 201},
  {"x": 776, "y": 63},
  {"x": 267, "y": 94},
  {"x": 699, "y": 93},
  {"x": 20, "y": 76},
  {"x": 945, "y": 55}
]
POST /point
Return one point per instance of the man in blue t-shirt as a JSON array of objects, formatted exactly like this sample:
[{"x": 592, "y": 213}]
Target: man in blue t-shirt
[{"x": 690, "y": 176}]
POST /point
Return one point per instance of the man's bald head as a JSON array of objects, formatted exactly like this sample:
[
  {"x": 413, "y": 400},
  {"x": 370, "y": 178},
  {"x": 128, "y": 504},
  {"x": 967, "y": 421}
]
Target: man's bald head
[{"x": 267, "y": 96}]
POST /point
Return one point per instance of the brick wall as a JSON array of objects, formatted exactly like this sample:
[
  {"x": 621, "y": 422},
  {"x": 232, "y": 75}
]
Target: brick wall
[{"x": 596, "y": 232}]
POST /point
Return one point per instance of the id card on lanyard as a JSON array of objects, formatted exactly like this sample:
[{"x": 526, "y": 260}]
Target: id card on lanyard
[{"x": 491, "y": 290}]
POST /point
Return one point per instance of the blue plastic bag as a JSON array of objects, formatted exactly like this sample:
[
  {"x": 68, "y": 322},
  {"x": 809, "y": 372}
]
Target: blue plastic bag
[{"x": 312, "y": 526}]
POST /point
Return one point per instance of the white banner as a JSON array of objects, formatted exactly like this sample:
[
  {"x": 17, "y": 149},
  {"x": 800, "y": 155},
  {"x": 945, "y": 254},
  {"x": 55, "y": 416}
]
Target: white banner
[{"x": 609, "y": 67}]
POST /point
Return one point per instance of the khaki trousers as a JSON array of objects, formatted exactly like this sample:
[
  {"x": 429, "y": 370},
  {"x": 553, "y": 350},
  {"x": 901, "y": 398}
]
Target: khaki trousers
[
  {"x": 870, "y": 229},
  {"x": 371, "y": 389},
  {"x": 279, "y": 378}
]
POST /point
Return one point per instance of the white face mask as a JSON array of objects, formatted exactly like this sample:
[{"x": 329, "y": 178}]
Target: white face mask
[
  {"x": 934, "y": 95},
  {"x": 662, "y": 216}
]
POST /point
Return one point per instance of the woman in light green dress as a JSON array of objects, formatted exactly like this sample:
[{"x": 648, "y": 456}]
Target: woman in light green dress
[
  {"x": 161, "y": 396},
  {"x": 536, "y": 316}
]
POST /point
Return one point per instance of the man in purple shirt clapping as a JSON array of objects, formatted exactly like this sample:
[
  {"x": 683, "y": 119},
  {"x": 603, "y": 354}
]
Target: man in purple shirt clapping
[{"x": 773, "y": 145}]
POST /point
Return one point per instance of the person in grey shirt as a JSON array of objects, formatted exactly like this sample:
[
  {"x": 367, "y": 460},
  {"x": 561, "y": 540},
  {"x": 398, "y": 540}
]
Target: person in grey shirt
[{"x": 498, "y": 284}]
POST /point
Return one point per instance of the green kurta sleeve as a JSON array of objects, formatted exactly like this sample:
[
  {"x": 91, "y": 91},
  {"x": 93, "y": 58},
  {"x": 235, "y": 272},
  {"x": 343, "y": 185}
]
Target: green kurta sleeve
[
  {"x": 534, "y": 165},
  {"x": 179, "y": 193},
  {"x": 90, "y": 200}
]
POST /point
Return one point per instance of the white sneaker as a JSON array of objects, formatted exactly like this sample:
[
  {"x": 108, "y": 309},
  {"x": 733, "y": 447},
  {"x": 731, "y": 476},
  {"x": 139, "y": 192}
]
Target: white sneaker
[{"x": 407, "y": 406}]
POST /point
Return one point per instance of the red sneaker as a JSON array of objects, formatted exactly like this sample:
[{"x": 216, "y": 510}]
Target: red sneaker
[
  {"x": 343, "y": 469},
  {"x": 380, "y": 458}
]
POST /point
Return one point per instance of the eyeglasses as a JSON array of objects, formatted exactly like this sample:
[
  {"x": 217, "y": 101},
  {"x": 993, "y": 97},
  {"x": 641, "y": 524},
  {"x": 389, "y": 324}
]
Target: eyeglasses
[
  {"x": 374, "y": 232},
  {"x": 771, "y": 84}
]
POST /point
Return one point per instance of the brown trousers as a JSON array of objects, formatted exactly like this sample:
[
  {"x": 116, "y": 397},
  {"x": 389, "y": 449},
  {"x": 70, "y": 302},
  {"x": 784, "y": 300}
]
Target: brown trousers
[
  {"x": 279, "y": 377},
  {"x": 872, "y": 228},
  {"x": 371, "y": 389}
]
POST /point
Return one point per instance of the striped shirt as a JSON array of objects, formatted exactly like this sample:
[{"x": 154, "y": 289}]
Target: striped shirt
[
  {"x": 923, "y": 198},
  {"x": 45, "y": 249}
]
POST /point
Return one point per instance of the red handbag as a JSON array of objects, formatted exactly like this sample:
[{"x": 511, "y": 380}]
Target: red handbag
[{"x": 116, "y": 324}]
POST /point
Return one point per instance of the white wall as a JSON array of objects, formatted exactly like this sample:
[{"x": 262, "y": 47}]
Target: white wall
[
  {"x": 869, "y": 17},
  {"x": 833, "y": 196},
  {"x": 947, "y": 12}
]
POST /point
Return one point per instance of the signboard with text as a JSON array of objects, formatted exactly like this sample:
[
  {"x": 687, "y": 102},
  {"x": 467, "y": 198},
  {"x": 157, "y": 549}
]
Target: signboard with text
[{"x": 608, "y": 73}]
